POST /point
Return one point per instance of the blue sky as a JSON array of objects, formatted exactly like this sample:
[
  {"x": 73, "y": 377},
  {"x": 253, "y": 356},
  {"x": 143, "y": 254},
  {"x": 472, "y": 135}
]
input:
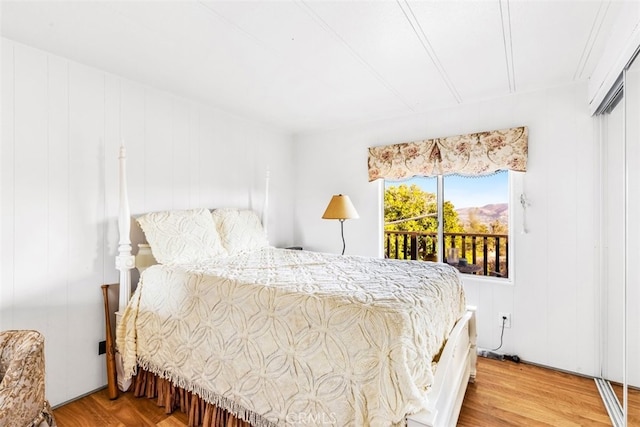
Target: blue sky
[{"x": 466, "y": 192}]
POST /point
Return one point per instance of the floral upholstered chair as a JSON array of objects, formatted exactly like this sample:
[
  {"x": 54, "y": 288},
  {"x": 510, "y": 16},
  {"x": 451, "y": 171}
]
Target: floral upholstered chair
[{"x": 22, "y": 398}]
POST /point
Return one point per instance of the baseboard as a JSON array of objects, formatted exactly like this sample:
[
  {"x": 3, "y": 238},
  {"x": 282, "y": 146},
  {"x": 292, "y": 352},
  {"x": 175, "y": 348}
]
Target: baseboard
[{"x": 79, "y": 397}]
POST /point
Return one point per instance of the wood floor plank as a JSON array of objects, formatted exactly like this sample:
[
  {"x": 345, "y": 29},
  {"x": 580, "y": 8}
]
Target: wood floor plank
[{"x": 504, "y": 394}]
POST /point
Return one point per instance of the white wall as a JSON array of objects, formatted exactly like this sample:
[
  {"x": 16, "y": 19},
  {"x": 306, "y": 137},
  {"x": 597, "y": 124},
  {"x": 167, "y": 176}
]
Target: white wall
[
  {"x": 62, "y": 124},
  {"x": 553, "y": 299}
]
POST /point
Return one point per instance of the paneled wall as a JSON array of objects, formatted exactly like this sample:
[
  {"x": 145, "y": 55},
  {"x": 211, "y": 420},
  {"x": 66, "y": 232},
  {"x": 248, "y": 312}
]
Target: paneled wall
[
  {"x": 553, "y": 298},
  {"x": 62, "y": 124}
]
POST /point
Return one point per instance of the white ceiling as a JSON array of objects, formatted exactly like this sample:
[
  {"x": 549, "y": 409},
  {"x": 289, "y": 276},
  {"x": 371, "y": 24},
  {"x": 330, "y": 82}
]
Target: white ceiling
[{"x": 308, "y": 65}]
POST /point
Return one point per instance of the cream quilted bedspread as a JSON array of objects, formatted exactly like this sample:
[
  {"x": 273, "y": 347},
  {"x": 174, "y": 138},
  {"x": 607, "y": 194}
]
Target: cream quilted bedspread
[{"x": 295, "y": 337}]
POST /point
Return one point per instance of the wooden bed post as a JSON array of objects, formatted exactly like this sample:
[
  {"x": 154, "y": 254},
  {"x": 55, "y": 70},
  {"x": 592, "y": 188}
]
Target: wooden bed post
[
  {"x": 124, "y": 261},
  {"x": 112, "y": 379}
]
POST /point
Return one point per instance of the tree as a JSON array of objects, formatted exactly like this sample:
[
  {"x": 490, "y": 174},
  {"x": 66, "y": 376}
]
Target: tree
[
  {"x": 475, "y": 226},
  {"x": 498, "y": 227},
  {"x": 406, "y": 209},
  {"x": 409, "y": 208}
]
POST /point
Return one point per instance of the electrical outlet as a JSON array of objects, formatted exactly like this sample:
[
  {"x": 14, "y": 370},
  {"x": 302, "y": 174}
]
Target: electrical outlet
[
  {"x": 506, "y": 318},
  {"x": 102, "y": 347}
]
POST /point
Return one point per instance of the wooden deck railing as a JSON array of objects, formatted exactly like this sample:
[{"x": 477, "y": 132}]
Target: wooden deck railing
[{"x": 491, "y": 251}]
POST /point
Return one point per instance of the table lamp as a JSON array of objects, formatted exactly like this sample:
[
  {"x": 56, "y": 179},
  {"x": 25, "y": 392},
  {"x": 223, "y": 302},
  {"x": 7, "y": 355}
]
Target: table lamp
[{"x": 340, "y": 208}]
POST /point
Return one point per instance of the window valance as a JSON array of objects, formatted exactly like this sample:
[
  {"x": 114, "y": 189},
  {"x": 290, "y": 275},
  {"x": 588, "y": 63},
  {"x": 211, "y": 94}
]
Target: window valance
[{"x": 479, "y": 153}]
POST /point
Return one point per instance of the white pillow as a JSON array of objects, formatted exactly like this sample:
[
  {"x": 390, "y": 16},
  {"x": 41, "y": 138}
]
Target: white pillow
[
  {"x": 240, "y": 230},
  {"x": 182, "y": 236}
]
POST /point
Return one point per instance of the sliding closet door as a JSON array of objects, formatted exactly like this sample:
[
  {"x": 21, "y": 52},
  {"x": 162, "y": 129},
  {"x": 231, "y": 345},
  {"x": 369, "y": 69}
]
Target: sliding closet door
[
  {"x": 619, "y": 122},
  {"x": 613, "y": 231},
  {"x": 632, "y": 129}
]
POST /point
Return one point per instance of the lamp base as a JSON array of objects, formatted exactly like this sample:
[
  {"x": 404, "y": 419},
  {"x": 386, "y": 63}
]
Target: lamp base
[{"x": 342, "y": 235}]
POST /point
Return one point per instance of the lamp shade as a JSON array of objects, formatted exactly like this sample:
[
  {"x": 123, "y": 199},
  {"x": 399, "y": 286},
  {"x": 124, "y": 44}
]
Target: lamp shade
[{"x": 340, "y": 207}]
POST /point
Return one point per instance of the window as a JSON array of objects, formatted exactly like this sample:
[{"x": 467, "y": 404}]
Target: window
[
  {"x": 473, "y": 212},
  {"x": 482, "y": 245}
]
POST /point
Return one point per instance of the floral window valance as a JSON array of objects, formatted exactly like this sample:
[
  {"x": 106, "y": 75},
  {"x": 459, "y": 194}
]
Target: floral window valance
[{"x": 479, "y": 153}]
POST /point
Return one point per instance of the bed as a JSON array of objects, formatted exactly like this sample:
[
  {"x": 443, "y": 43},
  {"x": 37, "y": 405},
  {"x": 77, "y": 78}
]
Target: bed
[{"x": 289, "y": 337}]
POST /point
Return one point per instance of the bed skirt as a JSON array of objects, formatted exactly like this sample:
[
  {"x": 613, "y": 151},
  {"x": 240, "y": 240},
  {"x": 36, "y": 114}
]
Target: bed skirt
[{"x": 171, "y": 397}]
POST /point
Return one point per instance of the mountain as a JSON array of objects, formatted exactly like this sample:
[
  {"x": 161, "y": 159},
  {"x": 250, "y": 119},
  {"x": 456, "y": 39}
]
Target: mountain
[{"x": 485, "y": 214}]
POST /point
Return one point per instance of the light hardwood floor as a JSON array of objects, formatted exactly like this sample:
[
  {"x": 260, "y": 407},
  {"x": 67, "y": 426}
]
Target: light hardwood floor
[{"x": 504, "y": 394}]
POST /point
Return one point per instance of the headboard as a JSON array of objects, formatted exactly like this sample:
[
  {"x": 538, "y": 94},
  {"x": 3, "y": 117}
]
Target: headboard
[
  {"x": 136, "y": 233},
  {"x": 131, "y": 234}
]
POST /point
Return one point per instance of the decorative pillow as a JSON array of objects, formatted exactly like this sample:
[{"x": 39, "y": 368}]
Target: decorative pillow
[
  {"x": 182, "y": 236},
  {"x": 240, "y": 230}
]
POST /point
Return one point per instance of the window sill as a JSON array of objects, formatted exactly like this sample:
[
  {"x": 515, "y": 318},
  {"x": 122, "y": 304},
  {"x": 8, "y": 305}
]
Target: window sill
[{"x": 486, "y": 280}]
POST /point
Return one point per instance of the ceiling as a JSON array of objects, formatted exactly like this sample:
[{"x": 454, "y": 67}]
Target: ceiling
[{"x": 309, "y": 65}]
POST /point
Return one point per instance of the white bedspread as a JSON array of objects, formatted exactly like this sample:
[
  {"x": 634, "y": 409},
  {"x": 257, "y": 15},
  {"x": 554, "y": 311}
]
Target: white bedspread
[{"x": 295, "y": 337}]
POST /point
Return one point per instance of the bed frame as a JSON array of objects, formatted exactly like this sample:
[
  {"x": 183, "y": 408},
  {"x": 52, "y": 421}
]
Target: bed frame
[{"x": 456, "y": 367}]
